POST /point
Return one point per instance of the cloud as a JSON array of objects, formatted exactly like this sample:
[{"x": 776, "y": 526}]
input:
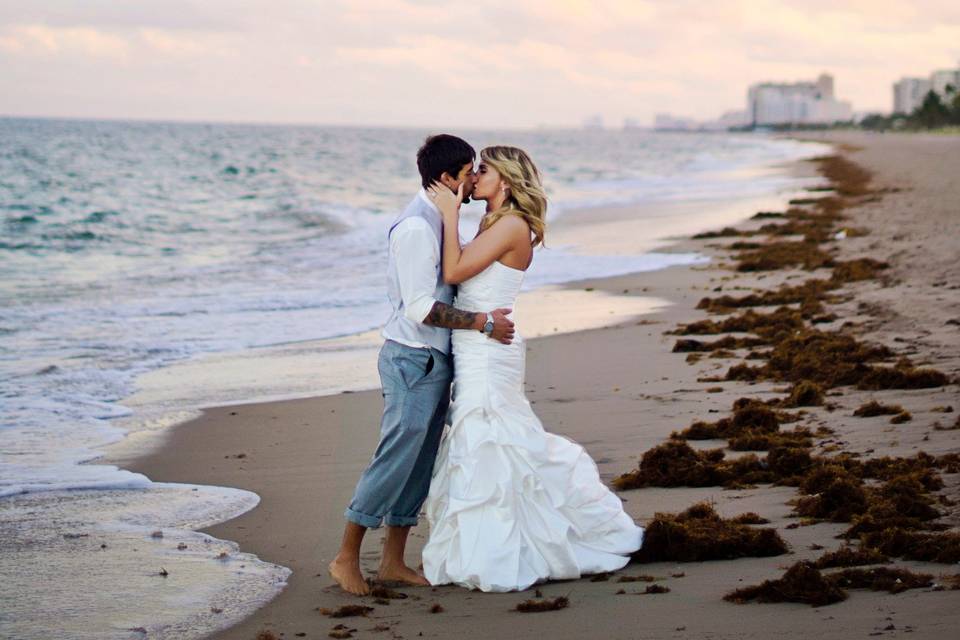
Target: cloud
[{"x": 424, "y": 62}]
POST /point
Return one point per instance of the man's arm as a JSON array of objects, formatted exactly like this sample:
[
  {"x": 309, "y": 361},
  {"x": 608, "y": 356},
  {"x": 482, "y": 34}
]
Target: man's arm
[{"x": 443, "y": 315}]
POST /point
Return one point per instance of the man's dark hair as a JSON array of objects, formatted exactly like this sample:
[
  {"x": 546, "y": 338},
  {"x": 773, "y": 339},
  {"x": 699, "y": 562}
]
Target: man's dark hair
[{"x": 440, "y": 153}]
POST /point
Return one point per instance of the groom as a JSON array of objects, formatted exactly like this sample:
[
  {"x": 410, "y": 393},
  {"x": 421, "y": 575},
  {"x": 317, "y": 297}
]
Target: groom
[{"x": 415, "y": 372}]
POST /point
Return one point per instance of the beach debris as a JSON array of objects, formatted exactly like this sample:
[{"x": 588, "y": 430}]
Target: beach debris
[
  {"x": 547, "y": 604},
  {"x": 900, "y": 418},
  {"x": 156, "y": 534},
  {"x": 216, "y": 610},
  {"x": 804, "y": 393},
  {"x": 699, "y": 533},
  {"x": 915, "y": 545},
  {"x": 656, "y": 588},
  {"x": 341, "y": 631},
  {"x": 75, "y": 536},
  {"x": 600, "y": 577},
  {"x": 749, "y": 517},
  {"x": 163, "y": 572},
  {"x": 802, "y": 582},
  {"x": 182, "y": 546},
  {"x": 888, "y": 579},
  {"x": 679, "y": 574},
  {"x": 847, "y": 556},
  {"x": 347, "y": 611},
  {"x": 874, "y": 408},
  {"x": 942, "y": 409},
  {"x": 267, "y": 635},
  {"x": 380, "y": 591},
  {"x": 639, "y": 578},
  {"x": 437, "y": 608}
]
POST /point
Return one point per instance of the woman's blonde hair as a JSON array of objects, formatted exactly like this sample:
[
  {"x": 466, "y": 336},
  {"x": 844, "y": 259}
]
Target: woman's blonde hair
[{"x": 526, "y": 198}]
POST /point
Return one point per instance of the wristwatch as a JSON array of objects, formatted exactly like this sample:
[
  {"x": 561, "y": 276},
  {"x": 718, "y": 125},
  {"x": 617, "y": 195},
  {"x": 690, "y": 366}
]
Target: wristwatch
[{"x": 488, "y": 325}]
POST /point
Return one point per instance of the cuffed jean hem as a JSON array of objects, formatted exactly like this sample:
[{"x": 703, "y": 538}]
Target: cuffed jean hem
[
  {"x": 373, "y": 522},
  {"x": 399, "y": 521},
  {"x": 362, "y": 519}
]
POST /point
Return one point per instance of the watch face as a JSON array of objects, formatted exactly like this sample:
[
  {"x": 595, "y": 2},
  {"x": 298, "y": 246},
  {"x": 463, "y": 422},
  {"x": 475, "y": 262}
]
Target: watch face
[{"x": 488, "y": 327}]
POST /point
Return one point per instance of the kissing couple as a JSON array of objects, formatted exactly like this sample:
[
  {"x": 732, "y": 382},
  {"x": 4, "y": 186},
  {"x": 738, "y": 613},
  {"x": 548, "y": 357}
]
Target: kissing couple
[{"x": 508, "y": 503}]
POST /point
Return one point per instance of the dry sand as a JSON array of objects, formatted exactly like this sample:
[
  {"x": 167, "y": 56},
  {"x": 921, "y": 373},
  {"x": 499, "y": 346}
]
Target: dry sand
[{"x": 620, "y": 391}]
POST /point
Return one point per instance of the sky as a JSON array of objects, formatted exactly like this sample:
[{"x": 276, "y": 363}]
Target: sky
[{"x": 476, "y": 63}]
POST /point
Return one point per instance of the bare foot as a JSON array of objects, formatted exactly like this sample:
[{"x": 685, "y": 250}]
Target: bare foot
[
  {"x": 348, "y": 576},
  {"x": 401, "y": 573}
]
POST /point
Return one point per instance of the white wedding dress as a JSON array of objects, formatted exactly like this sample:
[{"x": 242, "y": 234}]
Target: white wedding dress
[{"x": 509, "y": 503}]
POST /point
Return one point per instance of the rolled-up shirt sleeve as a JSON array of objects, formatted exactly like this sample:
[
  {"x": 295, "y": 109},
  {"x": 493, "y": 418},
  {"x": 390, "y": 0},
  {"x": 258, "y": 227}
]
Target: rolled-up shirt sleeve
[{"x": 415, "y": 252}]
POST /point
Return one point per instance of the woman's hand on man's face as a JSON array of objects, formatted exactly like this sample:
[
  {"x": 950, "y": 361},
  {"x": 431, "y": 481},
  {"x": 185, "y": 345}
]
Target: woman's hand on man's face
[{"x": 447, "y": 201}]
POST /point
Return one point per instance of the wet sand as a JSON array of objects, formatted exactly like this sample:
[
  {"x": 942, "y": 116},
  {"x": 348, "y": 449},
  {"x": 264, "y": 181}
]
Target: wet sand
[{"x": 620, "y": 391}]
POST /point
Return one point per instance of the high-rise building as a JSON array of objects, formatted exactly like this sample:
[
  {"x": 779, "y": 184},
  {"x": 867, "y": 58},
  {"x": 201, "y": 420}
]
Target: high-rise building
[
  {"x": 772, "y": 103},
  {"x": 944, "y": 80},
  {"x": 908, "y": 94}
]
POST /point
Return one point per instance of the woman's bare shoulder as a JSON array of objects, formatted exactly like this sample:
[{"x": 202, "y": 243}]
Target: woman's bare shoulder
[{"x": 513, "y": 225}]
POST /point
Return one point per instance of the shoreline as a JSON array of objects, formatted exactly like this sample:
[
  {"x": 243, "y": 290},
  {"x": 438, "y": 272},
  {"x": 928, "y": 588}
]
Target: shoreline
[
  {"x": 159, "y": 404},
  {"x": 660, "y": 396}
]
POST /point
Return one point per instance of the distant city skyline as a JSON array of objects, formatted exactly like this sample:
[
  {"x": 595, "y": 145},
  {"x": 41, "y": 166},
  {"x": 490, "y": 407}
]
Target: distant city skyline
[{"x": 432, "y": 63}]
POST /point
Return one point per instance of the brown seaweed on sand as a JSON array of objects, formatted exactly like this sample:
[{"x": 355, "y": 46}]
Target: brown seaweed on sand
[
  {"x": 699, "y": 533},
  {"x": 874, "y": 408},
  {"x": 749, "y": 517},
  {"x": 547, "y": 604},
  {"x": 916, "y": 545},
  {"x": 889, "y": 579},
  {"x": 805, "y": 393},
  {"x": 676, "y": 464},
  {"x": 802, "y": 582},
  {"x": 347, "y": 611},
  {"x": 809, "y": 292},
  {"x": 847, "y": 556},
  {"x": 777, "y": 255}
]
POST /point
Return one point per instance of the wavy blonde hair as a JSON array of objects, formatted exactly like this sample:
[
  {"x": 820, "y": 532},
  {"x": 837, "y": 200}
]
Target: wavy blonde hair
[{"x": 527, "y": 198}]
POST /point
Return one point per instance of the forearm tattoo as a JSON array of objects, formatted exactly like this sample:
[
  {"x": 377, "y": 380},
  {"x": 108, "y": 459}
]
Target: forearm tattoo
[{"x": 443, "y": 315}]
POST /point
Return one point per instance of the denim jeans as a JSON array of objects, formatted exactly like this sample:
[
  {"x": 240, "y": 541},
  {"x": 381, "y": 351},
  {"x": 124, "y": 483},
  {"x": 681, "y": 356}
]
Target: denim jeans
[{"x": 416, "y": 394}]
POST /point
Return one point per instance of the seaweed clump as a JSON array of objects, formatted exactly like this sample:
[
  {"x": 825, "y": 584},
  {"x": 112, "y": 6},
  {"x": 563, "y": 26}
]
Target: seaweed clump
[
  {"x": 874, "y": 408},
  {"x": 347, "y": 611},
  {"x": 677, "y": 464},
  {"x": 699, "y": 533},
  {"x": 547, "y": 604},
  {"x": 847, "y": 556},
  {"x": 804, "y": 393},
  {"x": 888, "y": 579},
  {"x": 915, "y": 545},
  {"x": 802, "y": 582}
]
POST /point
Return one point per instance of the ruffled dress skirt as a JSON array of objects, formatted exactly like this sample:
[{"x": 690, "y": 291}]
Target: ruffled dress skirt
[{"x": 510, "y": 504}]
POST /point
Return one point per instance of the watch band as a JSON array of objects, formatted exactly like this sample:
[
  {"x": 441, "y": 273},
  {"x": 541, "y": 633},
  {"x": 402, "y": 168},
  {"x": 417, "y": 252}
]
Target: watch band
[{"x": 488, "y": 325}]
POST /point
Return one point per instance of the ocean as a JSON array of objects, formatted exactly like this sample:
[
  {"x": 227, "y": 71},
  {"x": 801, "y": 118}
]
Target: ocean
[{"x": 128, "y": 248}]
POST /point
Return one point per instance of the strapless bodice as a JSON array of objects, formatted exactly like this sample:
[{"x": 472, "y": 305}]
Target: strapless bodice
[{"x": 495, "y": 287}]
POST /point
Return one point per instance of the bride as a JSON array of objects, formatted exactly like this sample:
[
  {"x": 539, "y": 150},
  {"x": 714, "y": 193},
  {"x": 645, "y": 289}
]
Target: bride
[{"x": 509, "y": 503}]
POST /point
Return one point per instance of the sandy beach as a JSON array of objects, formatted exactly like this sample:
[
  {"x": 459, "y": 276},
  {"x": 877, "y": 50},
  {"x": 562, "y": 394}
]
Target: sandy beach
[{"x": 620, "y": 391}]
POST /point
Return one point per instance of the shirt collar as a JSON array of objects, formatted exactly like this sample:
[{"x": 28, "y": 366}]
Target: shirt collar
[{"x": 426, "y": 198}]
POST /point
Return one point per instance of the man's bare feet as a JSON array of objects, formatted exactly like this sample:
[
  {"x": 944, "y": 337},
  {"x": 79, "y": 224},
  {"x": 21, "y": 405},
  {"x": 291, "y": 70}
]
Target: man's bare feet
[
  {"x": 348, "y": 576},
  {"x": 401, "y": 573}
]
